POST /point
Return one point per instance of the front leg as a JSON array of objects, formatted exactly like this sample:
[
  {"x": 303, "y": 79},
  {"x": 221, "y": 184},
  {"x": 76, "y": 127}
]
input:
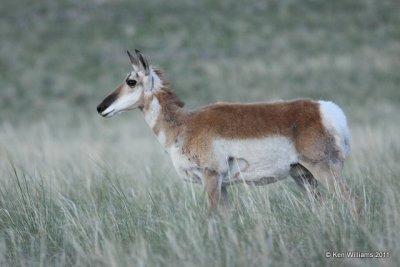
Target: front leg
[{"x": 216, "y": 193}]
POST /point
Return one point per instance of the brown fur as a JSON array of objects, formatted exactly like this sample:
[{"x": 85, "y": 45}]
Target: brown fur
[
  {"x": 168, "y": 92},
  {"x": 172, "y": 115},
  {"x": 193, "y": 132},
  {"x": 299, "y": 120}
]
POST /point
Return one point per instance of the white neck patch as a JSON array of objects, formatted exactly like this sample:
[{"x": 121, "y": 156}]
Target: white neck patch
[
  {"x": 162, "y": 138},
  {"x": 152, "y": 114}
]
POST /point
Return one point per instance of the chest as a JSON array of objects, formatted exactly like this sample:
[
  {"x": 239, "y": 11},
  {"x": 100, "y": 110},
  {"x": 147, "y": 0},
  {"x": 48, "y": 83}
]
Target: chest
[{"x": 187, "y": 168}]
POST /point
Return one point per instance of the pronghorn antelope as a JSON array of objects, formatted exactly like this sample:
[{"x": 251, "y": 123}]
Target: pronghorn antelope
[{"x": 224, "y": 143}]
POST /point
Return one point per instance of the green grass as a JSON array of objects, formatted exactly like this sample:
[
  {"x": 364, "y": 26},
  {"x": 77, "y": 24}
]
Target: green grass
[{"x": 76, "y": 189}]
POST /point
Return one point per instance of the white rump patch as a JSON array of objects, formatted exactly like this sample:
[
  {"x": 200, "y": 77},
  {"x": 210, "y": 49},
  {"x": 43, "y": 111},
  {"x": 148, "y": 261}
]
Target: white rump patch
[{"x": 335, "y": 122}]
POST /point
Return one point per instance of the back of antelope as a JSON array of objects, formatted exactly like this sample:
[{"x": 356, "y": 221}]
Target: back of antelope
[{"x": 227, "y": 143}]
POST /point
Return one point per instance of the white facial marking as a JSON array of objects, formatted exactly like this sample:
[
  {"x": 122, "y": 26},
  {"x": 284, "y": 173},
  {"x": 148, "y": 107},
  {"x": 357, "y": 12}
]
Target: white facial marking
[
  {"x": 109, "y": 112},
  {"x": 122, "y": 103},
  {"x": 335, "y": 122},
  {"x": 147, "y": 86},
  {"x": 152, "y": 114}
]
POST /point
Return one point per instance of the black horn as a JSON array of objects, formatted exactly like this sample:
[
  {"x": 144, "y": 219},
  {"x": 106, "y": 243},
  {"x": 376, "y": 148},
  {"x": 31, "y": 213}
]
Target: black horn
[
  {"x": 144, "y": 62},
  {"x": 134, "y": 60}
]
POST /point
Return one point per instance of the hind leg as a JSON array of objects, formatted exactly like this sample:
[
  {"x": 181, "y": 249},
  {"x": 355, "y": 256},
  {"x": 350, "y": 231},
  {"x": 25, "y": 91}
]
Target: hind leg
[
  {"x": 305, "y": 180},
  {"x": 330, "y": 174}
]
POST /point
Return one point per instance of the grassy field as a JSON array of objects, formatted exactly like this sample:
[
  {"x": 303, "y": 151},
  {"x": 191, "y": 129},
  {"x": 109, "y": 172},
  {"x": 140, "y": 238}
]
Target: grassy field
[{"x": 77, "y": 189}]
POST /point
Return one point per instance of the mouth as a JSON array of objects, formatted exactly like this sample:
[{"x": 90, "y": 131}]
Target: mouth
[{"x": 108, "y": 114}]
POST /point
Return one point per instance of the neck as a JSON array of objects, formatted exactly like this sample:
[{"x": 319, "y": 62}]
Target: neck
[{"x": 163, "y": 111}]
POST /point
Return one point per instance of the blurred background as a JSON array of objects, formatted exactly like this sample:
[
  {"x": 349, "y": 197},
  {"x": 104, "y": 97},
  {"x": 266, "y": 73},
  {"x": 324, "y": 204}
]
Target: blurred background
[
  {"x": 79, "y": 189},
  {"x": 58, "y": 59}
]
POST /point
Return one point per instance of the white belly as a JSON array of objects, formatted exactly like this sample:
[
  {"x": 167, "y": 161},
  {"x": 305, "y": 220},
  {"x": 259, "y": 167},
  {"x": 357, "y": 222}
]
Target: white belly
[{"x": 254, "y": 160}]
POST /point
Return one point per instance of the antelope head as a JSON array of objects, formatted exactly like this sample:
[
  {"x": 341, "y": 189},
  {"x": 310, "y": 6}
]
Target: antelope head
[{"x": 130, "y": 94}]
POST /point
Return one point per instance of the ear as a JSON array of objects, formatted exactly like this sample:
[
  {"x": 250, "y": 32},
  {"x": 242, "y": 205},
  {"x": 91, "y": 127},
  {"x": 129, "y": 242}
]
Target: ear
[
  {"x": 134, "y": 61},
  {"x": 143, "y": 61}
]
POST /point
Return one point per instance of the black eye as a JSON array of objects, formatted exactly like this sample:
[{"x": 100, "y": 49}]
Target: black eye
[{"x": 131, "y": 83}]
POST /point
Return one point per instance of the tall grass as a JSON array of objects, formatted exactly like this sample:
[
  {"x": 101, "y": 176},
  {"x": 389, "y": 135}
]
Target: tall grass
[
  {"x": 63, "y": 203},
  {"x": 76, "y": 189}
]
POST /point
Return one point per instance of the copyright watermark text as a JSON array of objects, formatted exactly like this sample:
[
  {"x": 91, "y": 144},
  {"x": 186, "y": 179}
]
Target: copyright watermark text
[{"x": 357, "y": 254}]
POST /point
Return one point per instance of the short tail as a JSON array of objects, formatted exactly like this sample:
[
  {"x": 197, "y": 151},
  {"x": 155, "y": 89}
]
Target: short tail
[{"x": 335, "y": 122}]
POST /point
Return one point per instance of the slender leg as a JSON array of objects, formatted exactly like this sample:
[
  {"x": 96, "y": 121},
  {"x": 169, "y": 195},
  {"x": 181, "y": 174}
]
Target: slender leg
[
  {"x": 224, "y": 198},
  {"x": 331, "y": 176},
  {"x": 216, "y": 193},
  {"x": 305, "y": 180}
]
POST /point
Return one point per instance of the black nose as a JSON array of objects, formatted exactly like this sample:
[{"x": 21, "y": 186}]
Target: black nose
[
  {"x": 106, "y": 102},
  {"x": 101, "y": 108}
]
